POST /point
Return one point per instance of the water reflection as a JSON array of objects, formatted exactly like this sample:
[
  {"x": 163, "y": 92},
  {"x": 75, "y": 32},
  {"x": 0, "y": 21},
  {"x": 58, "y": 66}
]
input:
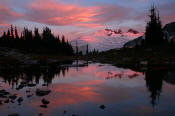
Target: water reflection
[
  {"x": 154, "y": 82},
  {"x": 82, "y": 90},
  {"x": 14, "y": 76}
]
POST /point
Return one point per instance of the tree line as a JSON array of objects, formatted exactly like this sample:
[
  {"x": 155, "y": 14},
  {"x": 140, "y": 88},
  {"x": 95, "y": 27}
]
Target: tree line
[{"x": 33, "y": 41}]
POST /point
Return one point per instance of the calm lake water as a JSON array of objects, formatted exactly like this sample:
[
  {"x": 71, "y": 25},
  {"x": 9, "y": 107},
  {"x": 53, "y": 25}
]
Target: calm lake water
[{"x": 82, "y": 90}]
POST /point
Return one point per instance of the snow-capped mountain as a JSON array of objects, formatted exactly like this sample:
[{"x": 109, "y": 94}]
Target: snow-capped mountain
[{"x": 106, "y": 39}]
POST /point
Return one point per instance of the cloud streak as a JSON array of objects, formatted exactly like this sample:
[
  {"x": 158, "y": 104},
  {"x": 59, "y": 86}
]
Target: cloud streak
[
  {"x": 7, "y": 15},
  {"x": 61, "y": 14}
]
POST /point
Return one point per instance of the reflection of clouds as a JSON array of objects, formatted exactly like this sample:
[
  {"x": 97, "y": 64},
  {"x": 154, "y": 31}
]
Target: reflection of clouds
[
  {"x": 88, "y": 87},
  {"x": 93, "y": 71},
  {"x": 108, "y": 72},
  {"x": 77, "y": 93}
]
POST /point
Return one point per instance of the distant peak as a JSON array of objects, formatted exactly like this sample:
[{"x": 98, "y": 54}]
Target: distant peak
[
  {"x": 133, "y": 31},
  {"x": 117, "y": 31},
  {"x": 109, "y": 30}
]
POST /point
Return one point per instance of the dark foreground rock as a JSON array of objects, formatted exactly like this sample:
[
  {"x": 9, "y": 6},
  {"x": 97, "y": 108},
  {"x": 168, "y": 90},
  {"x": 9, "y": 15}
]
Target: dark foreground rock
[{"x": 42, "y": 92}]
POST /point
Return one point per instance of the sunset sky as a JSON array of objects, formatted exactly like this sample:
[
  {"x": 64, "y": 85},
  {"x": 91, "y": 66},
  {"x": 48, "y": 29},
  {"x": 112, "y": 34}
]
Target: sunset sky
[{"x": 77, "y": 17}]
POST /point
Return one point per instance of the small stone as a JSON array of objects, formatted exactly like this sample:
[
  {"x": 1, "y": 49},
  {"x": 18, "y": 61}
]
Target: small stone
[
  {"x": 13, "y": 96},
  {"x": 102, "y": 107},
  {"x": 12, "y": 101},
  {"x": 27, "y": 91},
  {"x": 31, "y": 85},
  {"x": 6, "y": 101},
  {"x": 20, "y": 99},
  {"x": 40, "y": 114},
  {"x": 23, "y": 83},
  {"x": 40, "y": 92},
  {"x": 43, "y": 106},
  {"x": 44, "y": 85},
  {"x": 64, "y": 111},
  {"x": 4, "y": 92},
  {"x": 29, "y": 96},
  {"x": 20, "y": 87},
  {"x": 75, "y": 115},
  {"x": 1, "y": 102},
  {"x": 44, "y": 101},
  {"x": 16, "y": 114}
]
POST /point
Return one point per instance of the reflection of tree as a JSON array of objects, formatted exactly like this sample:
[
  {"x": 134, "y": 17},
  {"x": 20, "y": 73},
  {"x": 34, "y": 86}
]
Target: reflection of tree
[
  {"x": 16, "y": 75},
  {"x": 154, "y": 79}
]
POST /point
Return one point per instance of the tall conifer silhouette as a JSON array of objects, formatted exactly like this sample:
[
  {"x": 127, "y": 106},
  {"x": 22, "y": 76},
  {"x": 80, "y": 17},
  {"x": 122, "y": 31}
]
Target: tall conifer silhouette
[{"x": 154, "y": 32}]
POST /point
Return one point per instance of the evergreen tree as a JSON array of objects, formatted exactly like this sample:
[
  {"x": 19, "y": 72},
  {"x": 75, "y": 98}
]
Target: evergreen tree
[
  {"x": 63, "y": 40},
  {"x": 77, "y": 47},
  {"x": 4, "y": 36},
  {"x": 58, "y": 38},
  {"x": 8, "y": 34},
  {"x": 36, "y": 34},
  {"x": 16, "y": 33},
  {"x": 154, "y": 32},
  {"x": 87, "y": 49},
  {"x": 12, "y": 34}
]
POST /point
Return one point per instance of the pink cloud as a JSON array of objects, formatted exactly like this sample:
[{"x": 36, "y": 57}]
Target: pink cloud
[
  {"x": 54, "y": 13},
  {"x": 61, "y": 14},
  {"x": 7, "y": 15}
]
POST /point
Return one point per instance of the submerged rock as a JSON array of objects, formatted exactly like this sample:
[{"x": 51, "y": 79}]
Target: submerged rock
[
  {"x": 43, "y": 106},
  {"x": 3, "y": 93},
  {"x": 102, "y": 107},
  {"x": 12, "y": 101},
  {"x": 64, "y": 111},
  {"x": 20, "y": 99},
  {"x": 20, "y": 87},
  {"x": 31, "y": 85},
  {"x": 40, "y": 114},
  {"x": 13, "y": 97},
  {"x": 16, "y": 114},
  {"x": 44, "y": 92},
  {"x": 75, "y": 115},
  {"x": 1, "y": 102},
  {"x": 29, "y": 96},
  {"x": 7, "y": 101},
  {"x": 27, "y": 91},
  {"x": 44, "y": 101}
]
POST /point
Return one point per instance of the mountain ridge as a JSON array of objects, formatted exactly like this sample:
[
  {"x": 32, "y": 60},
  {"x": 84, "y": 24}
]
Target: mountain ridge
[{"x": 103, "y": 40}]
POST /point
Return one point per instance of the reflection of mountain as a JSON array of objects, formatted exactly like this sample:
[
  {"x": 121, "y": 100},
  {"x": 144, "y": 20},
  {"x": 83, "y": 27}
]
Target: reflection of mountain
[
  {"x": 169, "y": 32},
  {"x": 107, "y": 39},
  {"x": 130, "y": 75}
]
